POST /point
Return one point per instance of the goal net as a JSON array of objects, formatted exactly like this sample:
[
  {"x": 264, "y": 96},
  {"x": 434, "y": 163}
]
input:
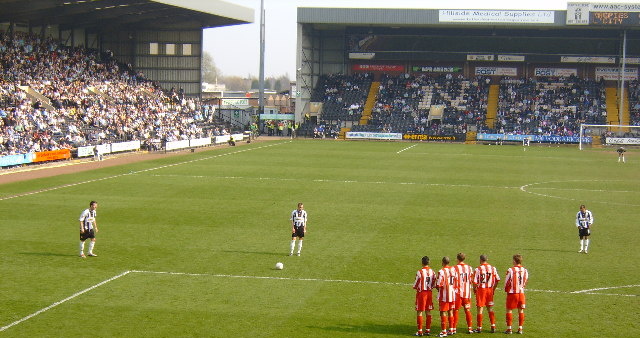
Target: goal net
[{"x": 597, "y": 135}]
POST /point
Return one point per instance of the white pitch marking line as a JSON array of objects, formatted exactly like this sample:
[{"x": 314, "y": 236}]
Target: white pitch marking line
[
  {"x": 524, "y": 189},
  {"x": 586, "y": 292},
  {"x": 607, "y": 288},
  {"x": 407, "y": 148},
  {"x": 133, "y": 172},
  {"x": 63, "y": 301}
]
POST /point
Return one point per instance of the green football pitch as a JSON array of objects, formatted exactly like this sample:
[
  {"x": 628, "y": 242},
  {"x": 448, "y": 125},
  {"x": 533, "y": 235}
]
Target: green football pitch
[{"x": 188, "y": 244}]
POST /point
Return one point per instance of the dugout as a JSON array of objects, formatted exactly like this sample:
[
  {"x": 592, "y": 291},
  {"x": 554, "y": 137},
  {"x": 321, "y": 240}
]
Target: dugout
[
  {"x": 587, "y": 40},
  {"x": 161, "y": 38}
]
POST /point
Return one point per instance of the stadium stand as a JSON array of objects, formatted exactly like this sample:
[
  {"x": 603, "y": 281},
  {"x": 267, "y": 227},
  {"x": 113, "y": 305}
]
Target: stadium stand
[
  {"x": 634, "y": 102},
  {"x": 549, "y": 106},
  {"x": 342, "y": 96},
  {"x": 54, "y": 97}
]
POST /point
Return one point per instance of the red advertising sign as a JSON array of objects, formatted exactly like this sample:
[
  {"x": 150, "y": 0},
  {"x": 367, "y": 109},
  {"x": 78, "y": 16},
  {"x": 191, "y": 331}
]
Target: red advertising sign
[{"x": 378, "y": 68}]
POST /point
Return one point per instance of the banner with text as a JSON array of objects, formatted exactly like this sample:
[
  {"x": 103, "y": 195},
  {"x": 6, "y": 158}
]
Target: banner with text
[
  {"x": 613, "y": 73},
  {"x": 623, "y": 140},
  {"x": 11, "y": 160},
  {"x": 500, "y": 71},
  {"x": 379, "y": 68},
  {"x": 497, "y": 16},
  {"x": 559, "y": 72},
  {"x": 588, "y": 59},
  {"x": 437, "y": 69},
  {"x": 533, "y": 138},
  {"x": 43, "y": 156},
  {"x": 373, "y": 136},
  {"x": 425, "y": 137}
]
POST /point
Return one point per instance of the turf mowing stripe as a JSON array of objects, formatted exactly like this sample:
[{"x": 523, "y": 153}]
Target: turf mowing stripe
[
  {"x": 63, "y": 301},
  {"x": 134, "y": 172}
]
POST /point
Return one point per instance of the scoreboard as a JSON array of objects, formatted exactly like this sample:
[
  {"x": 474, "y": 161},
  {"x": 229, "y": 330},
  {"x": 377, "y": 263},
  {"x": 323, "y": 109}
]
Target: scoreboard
[{"x": 614, "y": 18}]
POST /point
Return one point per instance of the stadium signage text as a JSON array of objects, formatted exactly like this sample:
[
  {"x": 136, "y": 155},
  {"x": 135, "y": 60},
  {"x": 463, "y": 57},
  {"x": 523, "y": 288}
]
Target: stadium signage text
[
  {"x": 373, "y": 136},
  {"x": 511, "y": 58},
  {"x": 380, "y": 68},
  {"x": 425, "y": 137},
  {"x": 588, "y": 59},
  {"x": 622, "y": 140},
  {"x": 436, "y": 69},
  {"x": 501, "y": 71},
  {"x": 489, "y": 16},
  {"x": 533, "y": 138},
  {"x": 363, "y": 56},
  {"x": 613, "y": 73},
  {"x": 235, "y": 102},
  {"x": 476, "y": 57},
  {"x": 566, "y": 72}
]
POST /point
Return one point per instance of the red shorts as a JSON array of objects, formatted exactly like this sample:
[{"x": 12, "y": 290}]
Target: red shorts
[
  {"x": 446, "y": 306},
  {"x": 424, "y": 300},
  {"x": 484, "y": 297},
  {"x": 460, "y": 302},
  {"x": 516, "y": 301}
]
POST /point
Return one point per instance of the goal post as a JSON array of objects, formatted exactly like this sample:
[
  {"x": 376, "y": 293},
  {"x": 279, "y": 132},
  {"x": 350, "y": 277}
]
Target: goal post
[{"x": 608, "y": 134}]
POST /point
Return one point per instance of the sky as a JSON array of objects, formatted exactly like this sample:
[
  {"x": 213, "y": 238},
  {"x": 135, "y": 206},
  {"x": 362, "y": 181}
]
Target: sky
[{"x": 236, "y": 49}]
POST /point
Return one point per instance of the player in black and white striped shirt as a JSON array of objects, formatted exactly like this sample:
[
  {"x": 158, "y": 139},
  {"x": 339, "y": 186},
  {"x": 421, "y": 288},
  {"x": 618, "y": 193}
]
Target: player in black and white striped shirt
[
  {"x": 298, "y": 227},
  {"x": 88, "y": 228}
]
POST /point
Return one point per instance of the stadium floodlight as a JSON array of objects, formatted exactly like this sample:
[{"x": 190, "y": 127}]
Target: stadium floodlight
[{"x": 603, "y": 133}]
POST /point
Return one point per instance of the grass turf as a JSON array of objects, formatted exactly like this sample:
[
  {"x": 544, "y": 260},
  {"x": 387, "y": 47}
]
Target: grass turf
[{"x": 218, "y": 222}]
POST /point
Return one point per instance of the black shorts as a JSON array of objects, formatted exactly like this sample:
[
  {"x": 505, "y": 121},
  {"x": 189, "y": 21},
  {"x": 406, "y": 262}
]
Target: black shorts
[
  {"x": 87, "y": 234},
  {"x": 584, "y": 232},
  {"x": 298, "y": 233}
]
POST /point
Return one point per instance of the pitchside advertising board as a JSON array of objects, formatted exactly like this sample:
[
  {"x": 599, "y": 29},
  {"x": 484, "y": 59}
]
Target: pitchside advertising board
[
  {"x": 613, "y": 73},
  {"x": 623, "y": 141}
]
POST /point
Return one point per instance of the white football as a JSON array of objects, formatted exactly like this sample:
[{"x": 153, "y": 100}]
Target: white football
[{"x": 279, "y": 266}]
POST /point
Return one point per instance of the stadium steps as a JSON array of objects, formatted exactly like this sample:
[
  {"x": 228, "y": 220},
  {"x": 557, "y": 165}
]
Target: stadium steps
[
  {"x": 34, "y": 96},
  {"x": 471, "y": 137},
  {"x": 613, "y": 111},
  {"x": 371, "y": 101},
  {"x": 98, "y": 92},
  {"x": 343, "y": 133},
  {"x": 492, "y": 105}
]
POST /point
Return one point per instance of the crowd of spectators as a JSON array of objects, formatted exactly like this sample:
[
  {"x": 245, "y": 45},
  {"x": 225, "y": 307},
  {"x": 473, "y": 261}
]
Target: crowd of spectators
[
  {"x": 343, "y": 96},
  {"x": 549, "y": 106},
  {"x": 80, "y": 97},
  {"x": 404, "y": 102}
]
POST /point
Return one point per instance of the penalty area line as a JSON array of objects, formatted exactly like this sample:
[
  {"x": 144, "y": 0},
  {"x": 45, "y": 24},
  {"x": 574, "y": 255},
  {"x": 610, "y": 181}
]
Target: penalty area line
[
  {"x": 63, "y": 301},
  {"x": 407, "y": 148}
]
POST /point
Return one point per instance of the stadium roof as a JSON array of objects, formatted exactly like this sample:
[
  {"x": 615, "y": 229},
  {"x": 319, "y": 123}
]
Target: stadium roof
[{"x": 104, "y": 15}]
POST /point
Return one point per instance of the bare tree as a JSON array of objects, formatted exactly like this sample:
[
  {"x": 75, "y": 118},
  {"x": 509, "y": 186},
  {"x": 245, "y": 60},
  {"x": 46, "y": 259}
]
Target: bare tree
[{"x": 210, "y": 73}]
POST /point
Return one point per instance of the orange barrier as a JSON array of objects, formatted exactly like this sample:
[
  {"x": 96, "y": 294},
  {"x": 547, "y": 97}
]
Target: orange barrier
[{"x": 43, "y": 156}]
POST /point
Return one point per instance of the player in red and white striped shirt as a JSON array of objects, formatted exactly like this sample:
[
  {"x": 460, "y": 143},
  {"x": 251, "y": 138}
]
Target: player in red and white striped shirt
[
  {"x": 425, "y": 282},
  {"x": 447, "y": 282},
  {"x": 515, "y": 282},
  {"x": 485, "y": 282},
  {"x": 465, "y": 276}
]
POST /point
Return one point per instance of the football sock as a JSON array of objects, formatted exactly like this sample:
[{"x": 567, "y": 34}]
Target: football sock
[
  {"x": 479, "y": 320},
  {"x": 467, "y": 314},
  {"x": 293, "y": 245},
  {"x": 509, "y": 319},
  {"x": 91, "y": 244},
  {"x": 451, "y": 324},
  {"x": 492, "y": 318},
  {"x": 586, "y": 244},
  {"x": 419, "y": 321},
  {"x": 443, "y": 322},
  {"x": 582, "y": 244},
  {"x": 299, "y": 246},
  {"x": 428, "y": 325},
  {"x": 520, "y": 320},
  {"x": 81, "y": 247},
  {"x": 455, "y": 319}
]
